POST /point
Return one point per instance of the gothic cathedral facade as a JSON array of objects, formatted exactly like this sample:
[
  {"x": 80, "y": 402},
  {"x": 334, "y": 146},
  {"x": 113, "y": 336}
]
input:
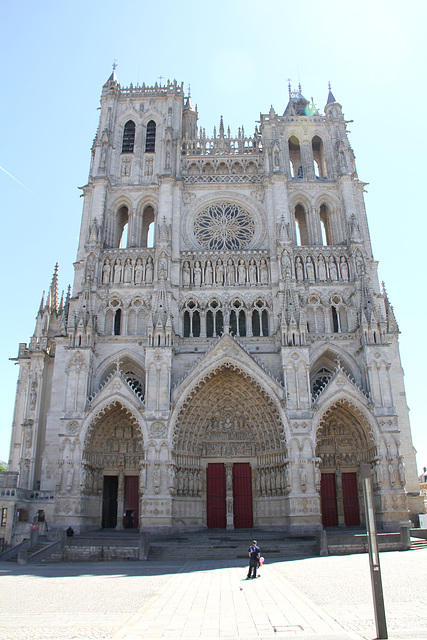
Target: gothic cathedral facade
[{"x": 226, "y": 357}]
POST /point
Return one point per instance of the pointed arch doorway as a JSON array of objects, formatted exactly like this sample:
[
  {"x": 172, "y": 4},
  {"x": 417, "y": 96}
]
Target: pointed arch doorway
[
  {"x": 226, "y": 432},
  {"x": 344, "y": 440},
  {"x": 112, "y": 466}
]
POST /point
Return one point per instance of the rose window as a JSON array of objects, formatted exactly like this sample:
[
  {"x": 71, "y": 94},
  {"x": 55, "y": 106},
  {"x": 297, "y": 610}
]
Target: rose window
[{"x": 224, "y": 226}]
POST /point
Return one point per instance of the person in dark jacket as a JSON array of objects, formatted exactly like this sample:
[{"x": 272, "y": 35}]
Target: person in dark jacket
[{"x": 254, "y": 554}]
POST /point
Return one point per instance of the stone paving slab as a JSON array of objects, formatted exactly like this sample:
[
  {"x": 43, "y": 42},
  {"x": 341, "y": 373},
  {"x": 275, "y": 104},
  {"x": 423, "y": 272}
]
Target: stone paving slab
[{"x": 311, "y": 598}]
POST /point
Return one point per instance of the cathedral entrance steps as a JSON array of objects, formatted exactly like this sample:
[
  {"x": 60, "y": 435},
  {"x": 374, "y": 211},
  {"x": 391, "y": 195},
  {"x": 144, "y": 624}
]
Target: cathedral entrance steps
[
  {"x": 220, "y": 544},
  {"x": 418, "y": 543}
]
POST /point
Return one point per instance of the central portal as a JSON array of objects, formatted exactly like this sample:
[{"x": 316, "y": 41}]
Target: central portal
[{"x": 217, "y": 499}]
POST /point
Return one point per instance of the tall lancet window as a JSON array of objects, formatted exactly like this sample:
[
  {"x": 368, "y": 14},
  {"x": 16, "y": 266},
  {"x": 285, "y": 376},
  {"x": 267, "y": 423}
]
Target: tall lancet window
[
  {"x": 150, "y": 140},
  {"x": 128, "y": 137}
]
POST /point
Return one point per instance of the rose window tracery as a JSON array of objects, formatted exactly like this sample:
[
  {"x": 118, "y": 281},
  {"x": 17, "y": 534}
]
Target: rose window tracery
[{"x": 224, "y": 226}]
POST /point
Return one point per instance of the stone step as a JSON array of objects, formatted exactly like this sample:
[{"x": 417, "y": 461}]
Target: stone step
[
  {"x": 418, "y": 544},
  {"x": 216, "y": 549}
]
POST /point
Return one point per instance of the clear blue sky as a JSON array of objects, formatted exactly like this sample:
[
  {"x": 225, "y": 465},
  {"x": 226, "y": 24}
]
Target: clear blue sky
[{"x": 237, "y": 56}]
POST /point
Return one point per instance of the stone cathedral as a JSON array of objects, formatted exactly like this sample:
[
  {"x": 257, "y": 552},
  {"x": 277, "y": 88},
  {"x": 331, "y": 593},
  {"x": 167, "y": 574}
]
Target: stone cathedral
[{"x": 226, "y": 357}]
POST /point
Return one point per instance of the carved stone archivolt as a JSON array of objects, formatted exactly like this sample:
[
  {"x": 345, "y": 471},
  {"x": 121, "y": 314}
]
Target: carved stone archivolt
[
  {"x": 113, "y": 440},
  {"x": 228, "y": 415},
  {"x": 344, "y": 437}
]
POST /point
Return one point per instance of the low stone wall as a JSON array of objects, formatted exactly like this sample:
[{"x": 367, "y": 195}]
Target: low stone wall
[
  {"x": 94, "y": 553},
  {"x": 344, "y": 545},
  {"x": 419, "y": 533}
]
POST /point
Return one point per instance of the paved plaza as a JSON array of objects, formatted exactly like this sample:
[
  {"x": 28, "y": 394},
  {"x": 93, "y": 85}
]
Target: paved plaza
[{"x": 321, "y": 598}]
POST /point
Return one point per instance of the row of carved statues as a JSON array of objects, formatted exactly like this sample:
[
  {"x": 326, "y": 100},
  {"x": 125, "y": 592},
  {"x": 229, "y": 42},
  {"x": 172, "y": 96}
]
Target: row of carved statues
[
  {"x": 313, "y": 269},
  {"x": 128, "y": 271},
  {"x": 226, "y": 272},
  {"x": 188, "y": 481}
]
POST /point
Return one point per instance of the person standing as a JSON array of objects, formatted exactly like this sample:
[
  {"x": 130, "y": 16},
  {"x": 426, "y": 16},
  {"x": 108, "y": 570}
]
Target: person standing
[{"x": 254, "y": 554}]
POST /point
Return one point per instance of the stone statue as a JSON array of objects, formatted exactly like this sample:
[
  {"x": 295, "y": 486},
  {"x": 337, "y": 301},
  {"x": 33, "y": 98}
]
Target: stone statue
[
  {"x": 241, "y": 272},
  {"x": 149, "y": 268},
  {"x": 355, "y": 235},
  {"x": 186, "y": 274},
  {"x": 28, "y": 437},
  {"x": 163, "y": 267},
  {"x": 344, "y": 269},
  {"x": 219, "y": 272},
  {"x": 391, "y": 473},
  {"x": 33, "y": 394},
  {"x": 321, "y": 268},
  {"x": 138, "y": 271},
  {"x": 333, "y": 272},
  {"x": 402, "y": 474},
  {"x": 156, "y": 477},
  {"x": 118, "y": 271},
  {"x": 310, "y": 269},
  {"x": 197, "y": 274},
  {"x": 127, "y": 273},
  {"x": 70, "y": 476},
  {"x": 252, "y": 272},
  {"x": 171, "y": 476},
  {"x": 317, "y": 474},
  {"x": 303, "y": 478},
  {"x": 106, "y": 271},
  {"x": 378, "y": 473},
  {"x": 263, "y": 271},
  {"x": 208, "y": 273},
  {"x": 299, "y": 269},
  {"x": 230, "y": 272}
]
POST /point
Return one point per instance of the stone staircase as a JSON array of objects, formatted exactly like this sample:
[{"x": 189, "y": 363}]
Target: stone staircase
[
  {"x": 219, "y": 544},
  {"x": 418, "y": 543}
]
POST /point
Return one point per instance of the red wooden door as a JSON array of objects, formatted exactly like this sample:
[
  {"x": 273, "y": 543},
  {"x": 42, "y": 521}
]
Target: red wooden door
[
  {"x": 328, "y": 496},
  {"x": 131, "y": 503},
  {"x": 242, "y": 495},
  {"x": 350, "y": 499},
  {"x": 215, "y": 495}
]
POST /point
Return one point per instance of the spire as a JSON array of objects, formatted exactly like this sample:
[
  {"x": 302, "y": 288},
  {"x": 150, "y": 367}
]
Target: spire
[
  {"x": 221, "y": 128},
  {"x": 331, "y": 97},
  {"x": 113, "y": 77},
  {"x": 290, "y": 302},
  {"x": 188, "y": 103},
  {"x": 368, "y": 308},
  {"x": 42, "y": 303},
  {"x": 53, "y": 291},
  {"x": 392, "y": 325}
]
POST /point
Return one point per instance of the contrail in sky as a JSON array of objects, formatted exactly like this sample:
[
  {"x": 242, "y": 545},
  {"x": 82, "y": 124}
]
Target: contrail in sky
[{"x": 20, "y": 183}]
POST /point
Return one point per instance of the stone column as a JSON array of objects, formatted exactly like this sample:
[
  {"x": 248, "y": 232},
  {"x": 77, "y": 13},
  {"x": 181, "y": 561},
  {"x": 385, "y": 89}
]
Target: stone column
[
  {"x": 340, "y": 498},
  {"x": 120, "y": 499},
  {"x": 229, "y": 495}
]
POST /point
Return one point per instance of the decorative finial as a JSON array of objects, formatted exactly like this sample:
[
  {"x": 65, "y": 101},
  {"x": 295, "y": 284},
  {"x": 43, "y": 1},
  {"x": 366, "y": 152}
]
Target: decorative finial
[
  {"x": 289, "y": 86},
  {"x": 329, "y": 85},
  {"x": 114, "y": 64},
  {"x": 160, "y": 78},
  {"x": 189, "y": 90}
]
